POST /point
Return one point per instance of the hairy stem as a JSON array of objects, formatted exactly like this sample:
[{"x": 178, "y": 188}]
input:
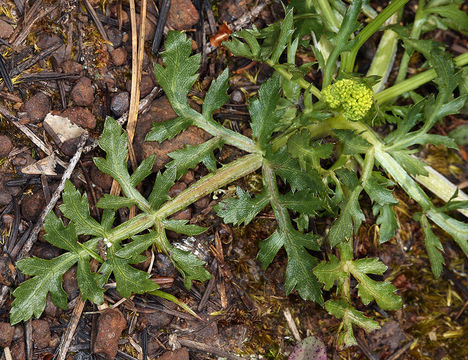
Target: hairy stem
[
  {"x": 211, "y": 182},
  {"x": 414, "y": 82}
]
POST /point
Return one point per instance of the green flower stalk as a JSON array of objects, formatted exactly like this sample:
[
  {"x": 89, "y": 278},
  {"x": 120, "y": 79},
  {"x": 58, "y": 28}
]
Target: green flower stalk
[{"x": 351, "y": 97}]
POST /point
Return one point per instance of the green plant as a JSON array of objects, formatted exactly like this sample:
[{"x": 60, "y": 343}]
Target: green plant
[{"x": 290, "y": 120}]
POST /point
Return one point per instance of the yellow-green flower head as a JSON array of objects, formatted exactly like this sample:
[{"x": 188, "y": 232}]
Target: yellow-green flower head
[{"x": 354, "y": 98}]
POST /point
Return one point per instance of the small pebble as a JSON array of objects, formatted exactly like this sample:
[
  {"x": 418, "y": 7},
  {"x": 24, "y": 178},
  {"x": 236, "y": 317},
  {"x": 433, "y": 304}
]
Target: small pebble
[
  {"x": 83, "y": 92},
  {"x": 120, "y": 103},
  {"x": 119, "y": 56},
  {"x": 80, "y": 116},
  {"x": 37, "y": 107},
  {"x": 32, "y": 206},
  {"x": 5, "y": 145},
  {"x": 111, "y": 323},
  {"x": 40, "y": 334},
  {"x": 6, "y": 334}
]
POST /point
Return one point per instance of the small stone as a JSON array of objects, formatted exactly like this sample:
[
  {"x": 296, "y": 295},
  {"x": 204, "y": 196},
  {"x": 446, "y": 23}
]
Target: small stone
[
  {"x": 7, "y": 219},
  {"x": 232, "y": 10},
  {"x": 119, "y": 56},
  {"x": 83, "y": 92},
  {"x": 5, "y": 198},
  {"x": 69, "y": 146},
  {"x": 80, "y": 116},
  {"x": 146, "y": 85},
  {"x": 202, "y": 203},
  {"x": 18, "y": 350},
  {"x": 111, "y": 323},
  {"x": 104, "y": 181},
  {"x": 185, "y": 214},
  {"x": 177, "y": 188},
  {"x": 5, "y": 30},
  {"x": 153, "y": 346},
  {"x": 7, "y": 270},
  {"x": 6, "y": 334},
  {"x": 40, "y": 333},
  {"x": 37, "y": 107},
  {"x": 188, "y": 177},
  {"x": 45, "y": 40},
  {"x": 5, "y": 145},
  {"x": 179, "y": 354},
  {"x": 32, "y": 206},
  {"x": 70, "y": 283},
  {"x": 158, "y": 319},
  {"x": 45, "y": 251},
  {"x": 150, "y": 28},
  {"x": 50, "y": 308},
  {"x": 165, "y": 266},
  {"x": 120, "y": 103},
  {"x": 115, "y": 36},
  {"x": 71, "y": 67},
  {"x": 237, "y": 97},
  {"x": 182, "y": 15}
]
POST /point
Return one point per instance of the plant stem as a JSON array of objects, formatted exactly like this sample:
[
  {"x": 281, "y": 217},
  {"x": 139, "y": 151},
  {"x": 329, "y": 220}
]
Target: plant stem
[
  {"x": 414, "y": 82},
  {"x": 415, "y": 33},
  {"x": 229, "y": 137},
  {"x": 211, "y": 182},
  {"x": 327, "y": 12},
  {"x": 348, "y": 60},
  {"x": 204, "y": 186},
  {"x": 301, "y": 82}
]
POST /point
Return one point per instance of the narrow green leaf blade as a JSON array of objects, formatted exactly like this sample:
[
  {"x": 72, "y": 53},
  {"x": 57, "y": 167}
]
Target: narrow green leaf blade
[
  {"x": 189, "y": 266},
  {"x": 262, "y": 111},
  {"x": 433, "y": 247},
  {"x": 161, "y": 187},
  {"x": 387, "y": 222},
  {"x": 181, "y": 227},
  {"x": 76, "y": 208},
  {"x": 242, "y": 209},
  {"x": 269, "y": 248},
  {"x": 114, "y": 202},
  {"x": 143, "y": 170},
  {"x": 217, "y": 95},
  {"x": 164, "y": 130},
  {"x": 191, "y": 156}
]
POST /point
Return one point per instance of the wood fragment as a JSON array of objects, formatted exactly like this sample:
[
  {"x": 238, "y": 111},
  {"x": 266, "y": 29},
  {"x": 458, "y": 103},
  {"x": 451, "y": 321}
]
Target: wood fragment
[
  {"x": 25, "y": 65},
  {"x": 67, "y": 337},
  {"x": 7, "y": 353},
  {"x": 396, "y": 355},
  {"x": 163, "y": 12},
  {"x": 33, "y": 137},
  {"x": 99, "y": 26},
  {"x": 209, "y": 286},
  {"x": 291, "y": 324},
  {"x": 28, "y": 339},
  {"x": 365, "y": 348},
  {"x": 210, "y": 16},
  {"x": 32, "y": 17},
  {"x": 208, "y": 349},
  {"x": 5, "y": 74}
]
